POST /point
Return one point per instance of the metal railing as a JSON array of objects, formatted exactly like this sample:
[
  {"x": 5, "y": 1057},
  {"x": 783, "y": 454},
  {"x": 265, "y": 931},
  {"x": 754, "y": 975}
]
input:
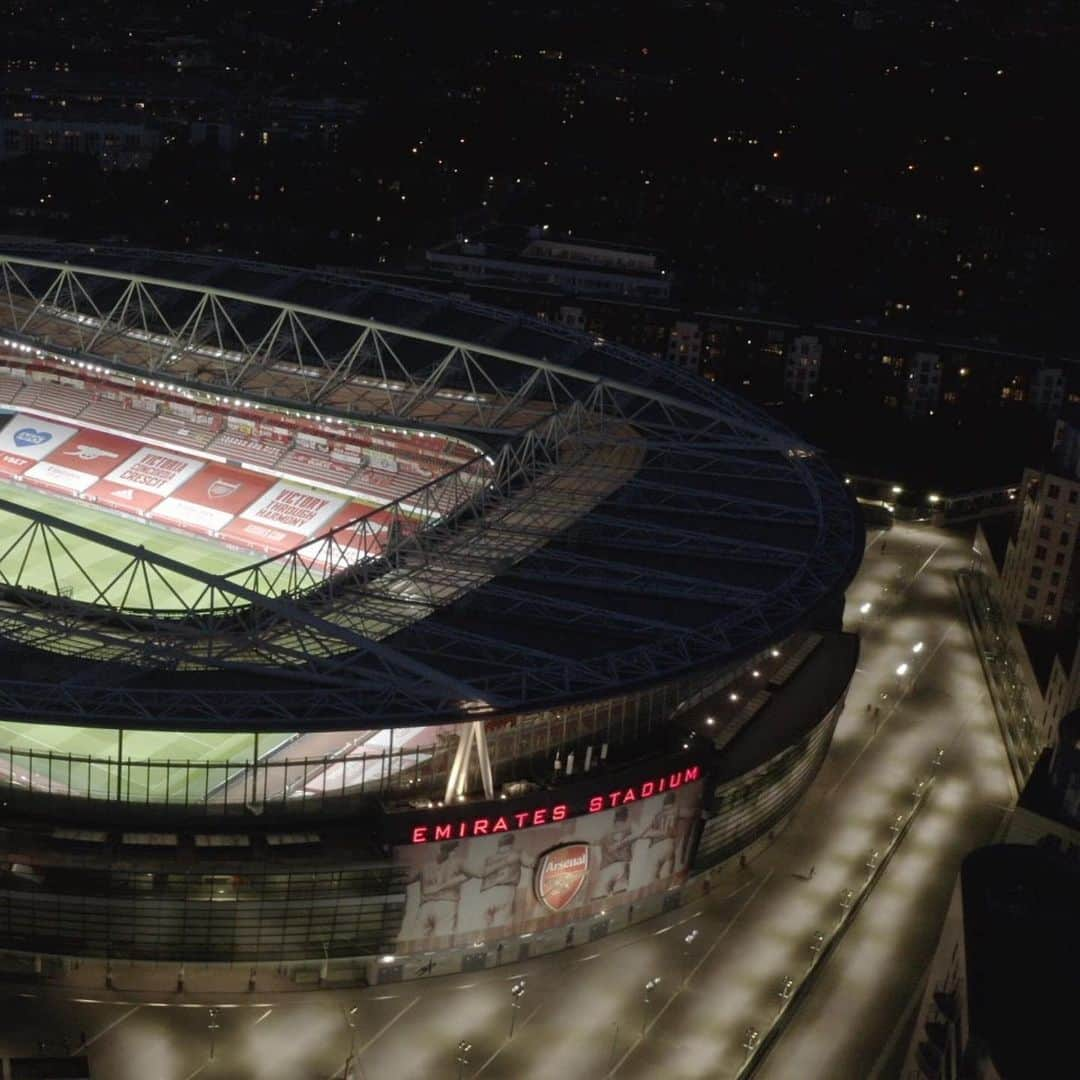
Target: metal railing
[
  {"x": 533, "y": 747},
  {"x": 222, "y": 785}
]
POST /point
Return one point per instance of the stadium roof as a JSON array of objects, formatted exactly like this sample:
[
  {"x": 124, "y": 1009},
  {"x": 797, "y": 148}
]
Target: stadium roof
[{"x": 634, "y": 521}]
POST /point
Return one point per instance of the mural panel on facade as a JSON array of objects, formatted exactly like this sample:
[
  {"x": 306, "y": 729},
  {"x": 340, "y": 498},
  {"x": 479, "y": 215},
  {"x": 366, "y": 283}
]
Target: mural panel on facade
[{"x": 460, "y": 891}]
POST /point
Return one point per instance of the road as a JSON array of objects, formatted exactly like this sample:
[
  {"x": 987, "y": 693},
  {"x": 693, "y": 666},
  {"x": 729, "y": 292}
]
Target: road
[{"x": 584, "y": 1013}]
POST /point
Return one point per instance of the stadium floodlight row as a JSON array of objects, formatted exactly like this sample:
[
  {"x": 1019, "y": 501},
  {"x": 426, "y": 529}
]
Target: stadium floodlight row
[{"x": 353, "y": 540}]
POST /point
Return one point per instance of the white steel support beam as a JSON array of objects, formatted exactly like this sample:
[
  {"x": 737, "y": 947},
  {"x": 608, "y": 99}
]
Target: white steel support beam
[{"x": 472, "y": 737}]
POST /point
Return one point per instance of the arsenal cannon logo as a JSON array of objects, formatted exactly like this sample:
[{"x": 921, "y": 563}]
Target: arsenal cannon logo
[{"x": 560, "y": 873}]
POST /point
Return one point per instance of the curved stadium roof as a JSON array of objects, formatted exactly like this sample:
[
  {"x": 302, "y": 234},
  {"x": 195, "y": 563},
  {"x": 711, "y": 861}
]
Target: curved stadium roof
[{"x": 631, "y": 521}]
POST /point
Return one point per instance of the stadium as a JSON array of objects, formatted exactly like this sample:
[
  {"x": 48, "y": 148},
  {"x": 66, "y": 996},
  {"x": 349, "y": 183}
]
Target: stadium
[{"x": 345, "y": 625}]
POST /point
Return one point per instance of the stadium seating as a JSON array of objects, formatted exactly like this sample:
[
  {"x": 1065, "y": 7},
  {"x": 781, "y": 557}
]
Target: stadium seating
[
  {"x": 420, "y": 458},
  {"x": 9, "y": 387},
  {"x": 179, "y": 432},
  {"x": 112, "y": 414},
  {"x": 61, "y": 400},
  {"x": 245, "y": 448},
  {"x": 315, "y": 466}
]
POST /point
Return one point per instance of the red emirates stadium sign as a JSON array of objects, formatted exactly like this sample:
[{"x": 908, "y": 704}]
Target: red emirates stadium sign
[
  {"x": 489, "y": 824},
  {"x": 560, "y": 875}
]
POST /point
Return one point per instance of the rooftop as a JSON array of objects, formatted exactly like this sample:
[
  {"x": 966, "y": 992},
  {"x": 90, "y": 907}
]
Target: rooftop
[
  {"x": 639, "y": 523},
  {"x": 1022, "y": 938},
  {"x": 1045, "y": 644}
]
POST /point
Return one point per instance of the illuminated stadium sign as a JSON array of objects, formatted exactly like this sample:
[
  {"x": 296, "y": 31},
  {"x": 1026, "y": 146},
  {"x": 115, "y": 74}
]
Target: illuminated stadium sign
[{"x": 549, "y": 815}]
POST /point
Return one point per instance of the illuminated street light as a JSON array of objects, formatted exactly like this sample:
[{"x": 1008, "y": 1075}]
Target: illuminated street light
[
  {"x": 939, "y": 757},
  {"x": 787, "y": 987},
  {"x": 917, "y": 647},
  {"x": 901, "y": 671},
  {"x": 750, "y": 1040},
  {"x": 213, "y": 1027},
  {"x": 864, "y": 609},
  {"x": 847, "y": 897},
  {"x": 897, "y": 824},
  {"x": 688, "y": 941},
  {"x": 517, "y": 992},
  {"x": 650, "y": 986},
  {"x": 872, "y": 861},
  {"x": 350, "y": 1020},
  {"x": 817, "y": 942},
  {"x": 897, "y": 489},
  {"x": 464, "y": 1049}
]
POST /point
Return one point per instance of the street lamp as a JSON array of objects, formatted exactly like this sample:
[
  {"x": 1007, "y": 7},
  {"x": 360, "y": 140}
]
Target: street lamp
[
  {"x": 688, "y": 941},
  {"x": 463, "y": 1050},
  {"x": 901, "y": 671},
  {"x": 650, "y": 986},
  {"x": 896, "y": 825},
  {"x": 917, "y": 648},
  {"x": 213, "y": 1027},
  {"x": 816, "y": 944},
  {"x": 350, "y": 1019},
  {"x": 872, "y": 861},
  {"x": 847, "y": 897},
  {"x": 864, "y": 608},
  {"x": 920, "y": 790},
  {"x": 517, "y": 992},
  {"x": 787, "y": 986},
  {"x": 750, "y": 1040},
  {"x": 939, "y": 757}
]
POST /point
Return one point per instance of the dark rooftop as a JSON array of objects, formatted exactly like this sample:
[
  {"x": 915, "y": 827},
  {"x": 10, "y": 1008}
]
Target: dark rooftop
[
  {"x": 1022, "y": 938},
  {"x": 997, "y": 530},
  {"x": 1043, "y": 645}
]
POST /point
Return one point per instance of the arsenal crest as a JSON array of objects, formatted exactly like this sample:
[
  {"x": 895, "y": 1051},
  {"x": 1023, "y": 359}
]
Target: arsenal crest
[
  {"x": 222, "y": 489},
  {"x": 560, "y": 875}
]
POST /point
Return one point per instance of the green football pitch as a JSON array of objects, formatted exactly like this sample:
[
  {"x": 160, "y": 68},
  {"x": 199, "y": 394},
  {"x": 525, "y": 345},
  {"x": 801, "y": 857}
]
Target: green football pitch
[
  {"x": 61, "y": 562},
  {"x": 213, "y": 757},
  {"x": 73, "y": 566}
]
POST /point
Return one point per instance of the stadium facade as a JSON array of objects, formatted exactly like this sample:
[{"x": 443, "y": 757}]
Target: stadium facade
[{"x": 347, "y": 625}]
